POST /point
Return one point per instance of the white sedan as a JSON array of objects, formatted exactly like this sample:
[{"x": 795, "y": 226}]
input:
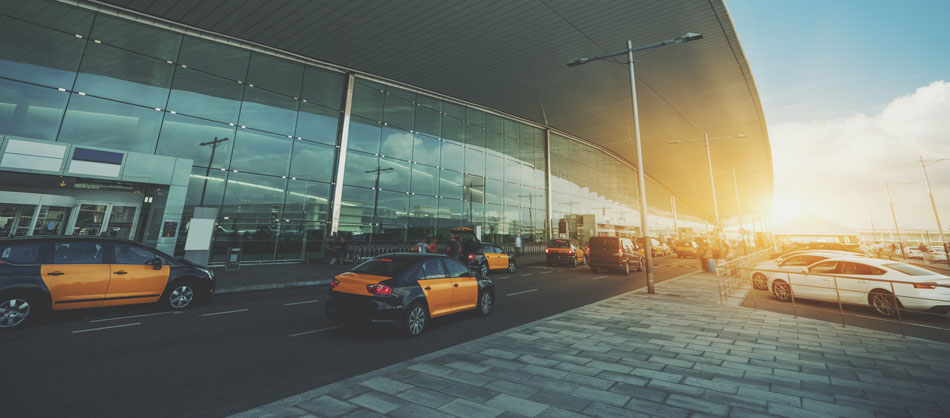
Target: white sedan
[
  {"x": 868, "y": 282},
  {"x": 792, "y": 261}
]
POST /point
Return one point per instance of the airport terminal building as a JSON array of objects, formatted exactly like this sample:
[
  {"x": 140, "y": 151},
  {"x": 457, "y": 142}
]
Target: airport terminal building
[{"x": 385, "y": 122}]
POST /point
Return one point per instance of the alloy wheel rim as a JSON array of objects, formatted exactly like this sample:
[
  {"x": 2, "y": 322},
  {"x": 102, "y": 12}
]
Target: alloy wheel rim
[
  {"x": 486, "y": 303},
  {"x": 759, "y": 282},
  {"x": 484, "y": 270},
  {"x": 883, "y": 304},
  {"x": 781, "y": 291},
  {"x": 13, "y": 312},
  {"x": 511, "y": 267},
  {"x": 417, "y": 319},
  {"x": 181, "y": 297}
]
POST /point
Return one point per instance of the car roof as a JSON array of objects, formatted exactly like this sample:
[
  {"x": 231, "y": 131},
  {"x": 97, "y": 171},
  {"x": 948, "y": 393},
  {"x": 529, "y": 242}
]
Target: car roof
[
  {"x": 406, "y": 255},
  {"x": 67, "y": 238},
  {"x": 869, "y": 261}
]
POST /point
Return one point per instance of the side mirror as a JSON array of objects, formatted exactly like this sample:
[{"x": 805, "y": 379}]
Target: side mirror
[{"x": 156, "y": 263}]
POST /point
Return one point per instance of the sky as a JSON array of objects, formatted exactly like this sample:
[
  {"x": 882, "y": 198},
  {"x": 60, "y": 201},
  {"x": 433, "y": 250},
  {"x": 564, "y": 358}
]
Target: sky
[{"x": 854, "y": 92}]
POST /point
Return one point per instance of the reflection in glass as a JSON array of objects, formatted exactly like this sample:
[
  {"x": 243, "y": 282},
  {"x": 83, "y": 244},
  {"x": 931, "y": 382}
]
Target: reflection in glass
[
  {"x": 312, "y": 161},
  {"x": 422, "y": 211},
  {"x": 126, "y": 76},
  {"x": 275, "y": 74},
  {"x": 364, "y": 135},
  {"x": 30, "y": 111},
  {"x": 426, "y": 150},
  {"x": 206, "y": 96},
  {"x": 453, "y": 156},
  {"x": 495, "y": 166},
  {"x": 215, "y": 58},
  {"x": 396, "y": 143},
  {"x": 425, "y": 180},
  {"x": 120, "y": 222},
  {"x": 104, "y": 123},
  {"x": 317, "y": 123},
  {"x": 453, "y": 130},
  {"x": 367, "y": 101},
  {"x": 450, "y": 184},
  {"x": 391, "y": 208},
  {"x": 393, "y": 175},
  {"x": 323, "y": 87},
  {"x": 181, "y": 136},
  {"x": 357, "y": 205},
  {"x": 39, "y": 55},
  {"x": 428, "y": 121},
  {"x": 398, "y": 112},
  {"x": 268, "y": 111},
  {"x": 360, "y": 169},
  {"x": 260, "y": 152},
  {"x": 250, "y": 215},
  {"x": 133, "y": 36},
  {"x": 89, "y": 219},
  {"x": 474, "y": 162}
]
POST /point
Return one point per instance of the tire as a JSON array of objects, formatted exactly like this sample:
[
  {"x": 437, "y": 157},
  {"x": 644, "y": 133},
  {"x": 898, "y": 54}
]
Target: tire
[
  {"x": 760, "y": 282},
  {"x": 626, "y": 268},
  {"x": 511, "y": 265},
  {"x": 640, "y": 265},
  {"x": 17, "y": 310},
  {"x": 574, "y": 264},
  {"x": 483, "y": 268},
  {"x": 415, "y": 321},
  {"x": 884, "y": 303},
  {"x": 782, "y": 291},
  {"x": 486, "y": 302},
  {"x": 181, "y": 295}
]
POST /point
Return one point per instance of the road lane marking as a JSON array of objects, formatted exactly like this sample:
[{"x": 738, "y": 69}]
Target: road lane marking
[
  {"x": 546, "y": 272},
  {"x": 316, "y": 331},
  {"x": 102, "y": 328},
  {"x": 526, "y": 291},
  {"x": 599, "y": 277},
  {"x": 526, "y": 274},
  {"x": 133, "y": 316},
  {"x": 502, "y": 277},
  {"x": 302, "y": 302},
  {"x": 225, "y": 312},
  {"x": 561, "y": 270}
]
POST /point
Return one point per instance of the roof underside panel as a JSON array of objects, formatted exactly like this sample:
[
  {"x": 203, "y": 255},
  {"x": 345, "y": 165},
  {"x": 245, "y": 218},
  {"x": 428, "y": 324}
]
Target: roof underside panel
[{"x": 511, "y": 56}]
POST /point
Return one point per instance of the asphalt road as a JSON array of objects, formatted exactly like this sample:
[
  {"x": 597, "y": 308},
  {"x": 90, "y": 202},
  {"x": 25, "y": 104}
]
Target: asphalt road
[{"x": 239, "y": 351}]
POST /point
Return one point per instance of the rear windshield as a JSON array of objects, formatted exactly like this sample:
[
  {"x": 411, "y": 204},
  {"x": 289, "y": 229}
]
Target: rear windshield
[
  {"x": 610, "y": 243},
  {"x": 559, "y": 243},
  {"x": 389, "y": 267},
  {"x": 909, "y": 269}
]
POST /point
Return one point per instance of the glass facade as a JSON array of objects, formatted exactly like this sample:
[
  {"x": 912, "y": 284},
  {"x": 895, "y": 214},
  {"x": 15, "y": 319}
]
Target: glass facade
[{"x": 264, "y": 135}]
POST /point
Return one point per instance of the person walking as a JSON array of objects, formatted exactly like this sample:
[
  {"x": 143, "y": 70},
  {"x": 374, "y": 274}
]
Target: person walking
[
  {"x": 701, "y": 254},
  {"x": 518, "y": 245},
  {"x": 433, "y": 245},
  {"x": 454, "y": 249},
  {"x": 422, "y": 246},
  {"x": 341, "y": 249}
]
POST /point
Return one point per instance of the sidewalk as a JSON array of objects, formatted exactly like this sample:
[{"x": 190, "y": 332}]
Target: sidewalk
[
  {"x": 276, "y": 276},
  {"x": 677, "y": 353}
]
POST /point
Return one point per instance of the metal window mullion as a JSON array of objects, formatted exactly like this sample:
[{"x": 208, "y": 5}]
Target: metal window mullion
[
  {"x": 341, "y": 159},
  {"x": 548, "y": 227}
]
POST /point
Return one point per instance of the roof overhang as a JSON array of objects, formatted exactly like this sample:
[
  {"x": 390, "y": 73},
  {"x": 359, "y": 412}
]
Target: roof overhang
[{"x": 511, "y": 56}]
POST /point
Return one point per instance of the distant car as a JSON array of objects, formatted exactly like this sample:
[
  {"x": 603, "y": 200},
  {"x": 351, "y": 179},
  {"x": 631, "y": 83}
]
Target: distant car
[
  {"x": 38, "y": 274},
  {"x": 832, "y": 246},
  {"x": 564, "y": 251},
  {"x": 490, "y": 257},
  {"x": 685, "y": 249},
  {"x": 614, "y": 253},
  {"x": 656, "y": 248},
  {"x": 936, "y": 255},
  {"x": 914, "y": 253},
  {"x": 790, "y": 262},
  {"x": 405, "y": 290},
  {"x": 868, "y": 282}
]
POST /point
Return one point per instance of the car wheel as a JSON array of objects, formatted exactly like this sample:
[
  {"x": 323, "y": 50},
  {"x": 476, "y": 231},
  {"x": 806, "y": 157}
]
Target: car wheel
[
  {"x": 15, "y": 311},
  {"x": 884, "y": 303},
  {"x": 485, "y": 303},
  {"x": 626, "y": 269},
  {"x": 782, "y": 291},
  {"x": 483, "y": 268},
  {"x": 511, "y": 266},
  {"x": 181, "y": 295},
  {"x": 416, "y": 318},
  {"x": 760, "y": 282}
]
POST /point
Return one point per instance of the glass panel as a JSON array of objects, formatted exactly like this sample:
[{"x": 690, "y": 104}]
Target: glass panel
[
  {"x": 474, "y": 162},
  {"x": 323, "y": 87},
  {"x": 428, "y": 121},
  {"x": 475, "y": 117},
  {"x": 30, "y": 111},
  {"x": 391, "y": 208},
  {"x": 512, "y": 129},
  {"x": 275, "y": 74},
  {"x": 422, "y": 211},
  {"x": 450, "y": 213},
  {"x": 393, "y": 175},
  {"x": 426, "y": 150},
  {"x": 474, "y": 188},
  {"x": 300, "y": 240},
  {"x": 396, "y": 143},
  {"x": 307, "y": 201},
  {"x": 425, "y": 180},
  {"x": 494, "y": 141},
  {"x": 198, "y": 94},
  {"x": 38, "y": 55},
  {"x": 430, "y": 102},
  {"x": 363, "y": 136},
  {"x": 318, "y": 123},
  {"x": 312, "y": 161},
  {"x": 77, "y": 252},
  {"x": 215, "y": 58},
  {"x": 494, "y": 191},
  {"x": 453, "y": 130},
  {"x": 357, "y": 205},
  {"x": 144, "y": 39},
  {"x": 182, "y": 136},
  {"x": 475, "y": 136},
  {"x": 401, "y": 93},
  {"x": 454, "y": 110},
  {"x": 268, "y": 111},
  {"x": 512, "y": 170},
  {"x": 250, "y": 215},
  {"x": 360, "y": 169},
  {"x": 104, "y": 123},
  {"x": 367, "y": 101},
  {"x": 398, "y": 112},
  {"x": 126, "y": 76},
  {"x": 132, "y": 254},
  {"x": 210, "y": 183},
  {"x": 89, "y": 219},
  {"x": 452, "y": 156},
  {"x": 450, "y": 184},
  {"x": 512, "y": 191},
  {"x": 495, "y": 166},
  {"x": 262, "y": 153},
  {"x": 67, "y": 18},
  {"x": 121, "y": 221},
  {"x": 527, "y": 175},
  {"x": 494, "y": 123}
]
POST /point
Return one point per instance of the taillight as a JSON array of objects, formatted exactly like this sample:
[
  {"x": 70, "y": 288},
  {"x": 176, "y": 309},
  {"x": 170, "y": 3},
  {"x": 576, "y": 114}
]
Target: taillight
[
  {"x": 334, "y": 284},
  {"x": 471, "y": 257},
  {"x": 928, "y": 285},
  {"x": 379, "y": 289},
  {"x": 547, "y": 251},
  {"x": 587, "y": 249}
]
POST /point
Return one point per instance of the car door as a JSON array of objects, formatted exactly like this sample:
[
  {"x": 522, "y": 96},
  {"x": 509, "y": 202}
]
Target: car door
[
  {"x": 464, "y": 285},
  {"x": 437, "y": 288},
  {"x": 77, "y": 277},
  {"x": 818, "y": 282},
  {"x": 134, "y": 278},
  {"x": 495, "y": 258},
  {"x": 853, "y": 284}
]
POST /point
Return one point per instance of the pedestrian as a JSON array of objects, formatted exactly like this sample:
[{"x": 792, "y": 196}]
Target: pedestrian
[
  {"x": 433, "y": 245},
  {"x": 341, "y": 249},
  {"x": 332, "y": 249},
  {"x": 518, "y": 245},
  {"x": 454, "y": 249},
  {"x": 701, "y": 253},
  {"x": 422, "y": 246}
]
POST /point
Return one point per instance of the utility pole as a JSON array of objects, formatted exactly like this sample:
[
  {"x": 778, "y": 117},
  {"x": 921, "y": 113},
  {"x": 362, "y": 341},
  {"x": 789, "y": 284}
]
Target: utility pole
[
  {"x": 871, "y": 217},
  {"x": 933, "y": 203},
  {"x": 676, "y": 231},
  {"x": 900, "y": 242},
  {"x": 214, "y": 146}
]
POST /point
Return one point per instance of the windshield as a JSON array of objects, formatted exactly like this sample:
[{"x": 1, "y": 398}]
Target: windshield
[
  {"x": 909, "y": 269},
  {"x": 559, "y": 243},
  {"x": 384, "y": 266}
]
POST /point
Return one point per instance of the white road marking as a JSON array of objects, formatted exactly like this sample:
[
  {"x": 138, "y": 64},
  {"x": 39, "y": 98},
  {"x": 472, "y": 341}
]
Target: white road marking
[
  {"x": 134, "y": 316},
  {"x": 502, "y": 277},
  {"x": 301, "y": 303},
  {"x": 599, "y": 277},
  {"x": 225, "y": 312},
  {"x": 102, "y": 328},
  {"x": 561, "y": 270},
  {"x": 546, "y": 272},
  {"x": 526, "y": 274},
  {"x": 316, "y": 331},
  {"x": 526, "y": 291}
]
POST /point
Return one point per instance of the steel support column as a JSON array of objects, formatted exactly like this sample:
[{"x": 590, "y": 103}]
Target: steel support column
[{"x": 341, "y": 159}]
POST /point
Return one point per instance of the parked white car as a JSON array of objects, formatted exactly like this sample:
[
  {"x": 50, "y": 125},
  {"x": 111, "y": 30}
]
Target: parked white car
[
  {"x": 792, "y": 261},
  {"x": 868, "y": 282},
  {"x": 936, "y": 255}
]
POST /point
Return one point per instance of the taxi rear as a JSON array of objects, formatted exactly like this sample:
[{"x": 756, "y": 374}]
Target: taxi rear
[
  {"x": 561, "y": 251},
  {"x": 685, "y": 248},
  {"x": 371, "y": 292}
]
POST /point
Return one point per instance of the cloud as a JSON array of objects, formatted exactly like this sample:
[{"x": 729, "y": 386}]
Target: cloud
[{"x": 830, "y": 167}]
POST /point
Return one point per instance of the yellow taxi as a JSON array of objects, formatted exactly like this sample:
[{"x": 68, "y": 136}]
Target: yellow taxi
[{"x": 565, "y": 251}]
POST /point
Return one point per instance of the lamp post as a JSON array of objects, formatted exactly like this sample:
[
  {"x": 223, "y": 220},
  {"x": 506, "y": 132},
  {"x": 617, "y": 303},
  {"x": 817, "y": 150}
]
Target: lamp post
[
  {"x": 636, "y": 124},
  {"x": 900, "y": 242},
  {"x": 933, "y": 203},
  {"x": 214, "y": 146}
]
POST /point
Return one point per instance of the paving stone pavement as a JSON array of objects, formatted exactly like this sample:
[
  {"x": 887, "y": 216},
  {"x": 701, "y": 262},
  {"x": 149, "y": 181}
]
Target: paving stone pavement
[{"x": 678, "y": 353}]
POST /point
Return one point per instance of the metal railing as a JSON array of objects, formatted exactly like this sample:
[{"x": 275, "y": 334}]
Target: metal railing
[{"x": 733, "y": 274}]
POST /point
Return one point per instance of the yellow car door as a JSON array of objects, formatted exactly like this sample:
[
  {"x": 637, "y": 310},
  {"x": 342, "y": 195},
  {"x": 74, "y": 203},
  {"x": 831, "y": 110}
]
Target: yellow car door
[
  {"x": 497, "y": 259},
  {"x": 464, "y": 285},
  {"x": 134, "y": 278},
  {"x": 437, "y": 287},
  {"x": 77, "y": 277}
]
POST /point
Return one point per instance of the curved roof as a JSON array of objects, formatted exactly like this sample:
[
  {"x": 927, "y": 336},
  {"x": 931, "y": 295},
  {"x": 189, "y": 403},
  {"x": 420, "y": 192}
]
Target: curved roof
[{"x": 511, "y": 56}]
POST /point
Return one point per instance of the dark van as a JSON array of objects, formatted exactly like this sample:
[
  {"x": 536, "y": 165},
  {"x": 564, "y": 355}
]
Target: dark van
[{"x": 614, "y": 253}]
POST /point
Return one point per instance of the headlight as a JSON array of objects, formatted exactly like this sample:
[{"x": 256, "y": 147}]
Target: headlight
[{"x": 206, "y": 271}]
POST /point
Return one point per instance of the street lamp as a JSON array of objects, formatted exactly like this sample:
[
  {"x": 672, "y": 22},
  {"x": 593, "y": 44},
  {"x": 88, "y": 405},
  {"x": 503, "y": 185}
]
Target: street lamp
[
  {"x": 214, "y": 146},
  {"x": 933, "y": 203},
  {"x": 900, "y": 242},
  {"x": 636, "y": 123},
  {"x": 378, "y": 171}
]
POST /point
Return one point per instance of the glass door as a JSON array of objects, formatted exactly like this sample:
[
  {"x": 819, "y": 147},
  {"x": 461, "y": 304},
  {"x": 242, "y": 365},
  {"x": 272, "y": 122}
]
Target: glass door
[
  {"x": 121, "y": 221},
  {"x": 51, "y": 220},
  {"x": 15, "y": 219},
  {"x": 89, "y": 219}
]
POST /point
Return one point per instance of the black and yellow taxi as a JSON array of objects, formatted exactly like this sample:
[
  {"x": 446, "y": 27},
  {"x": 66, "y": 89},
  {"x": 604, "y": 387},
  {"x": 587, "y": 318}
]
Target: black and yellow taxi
[
  {"x": 483, "y": 257},
  {"x": 562, "y": 251},
  {"x": 38, "y": 274},
  {"x": 405, "y": 290}
]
